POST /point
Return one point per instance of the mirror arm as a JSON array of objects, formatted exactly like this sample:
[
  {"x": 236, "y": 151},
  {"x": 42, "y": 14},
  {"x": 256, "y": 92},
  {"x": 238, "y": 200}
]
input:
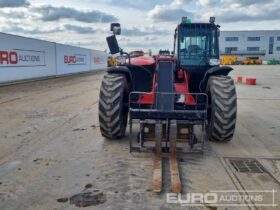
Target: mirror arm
[{"x": 125, "y": 53}]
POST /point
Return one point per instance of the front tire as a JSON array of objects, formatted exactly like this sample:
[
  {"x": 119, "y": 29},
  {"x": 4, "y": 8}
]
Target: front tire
[
  {"x": 112, "y": 112},
  {"x": 222, "y": 110}
]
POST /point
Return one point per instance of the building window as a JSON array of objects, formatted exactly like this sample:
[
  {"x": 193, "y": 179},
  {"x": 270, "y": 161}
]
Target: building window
[
  {"x": 278, "y": 48},
  {"x": 253, "y": 49},
  {"x": 228, "y": 50},
  {"x": 271, "y": 43},
  {"x": 231, "y": 39},
  {"x": 278, "y": 38},
  {"x": 253, "y": 38}
]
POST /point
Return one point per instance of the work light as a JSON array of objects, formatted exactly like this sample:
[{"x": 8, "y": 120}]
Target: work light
[
  {"x": 212, "y": 20},
  {"x": 184, "y": 19}
]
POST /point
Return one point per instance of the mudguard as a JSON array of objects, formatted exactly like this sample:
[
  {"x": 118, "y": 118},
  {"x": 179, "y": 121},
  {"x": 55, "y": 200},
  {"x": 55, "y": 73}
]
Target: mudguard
[
  {"x": 214, "y": 71},
  {"x": 138, "y": 78}
]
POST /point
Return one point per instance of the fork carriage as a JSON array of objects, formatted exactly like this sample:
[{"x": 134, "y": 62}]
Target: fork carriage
[{"x": 160, "y": 120}]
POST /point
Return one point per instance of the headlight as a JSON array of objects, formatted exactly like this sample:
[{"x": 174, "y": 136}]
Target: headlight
[{"x": 214, "y": 62}]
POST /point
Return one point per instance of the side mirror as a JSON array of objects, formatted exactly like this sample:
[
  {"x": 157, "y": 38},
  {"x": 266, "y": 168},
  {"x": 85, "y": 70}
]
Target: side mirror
[
  {"x": 113, "y": 44},
  {"x": 115, "y": 28}
]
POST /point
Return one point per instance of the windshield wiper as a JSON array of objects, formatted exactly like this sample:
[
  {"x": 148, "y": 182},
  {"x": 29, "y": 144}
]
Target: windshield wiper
[{"x": 203, "y": 59}]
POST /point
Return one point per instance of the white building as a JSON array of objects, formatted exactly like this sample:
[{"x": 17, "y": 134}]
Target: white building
[{"x": 264, "y": 44}]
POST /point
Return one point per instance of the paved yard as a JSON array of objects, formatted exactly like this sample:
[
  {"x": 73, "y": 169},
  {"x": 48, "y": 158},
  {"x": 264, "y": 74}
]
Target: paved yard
[{"x": 51, "y": 148}]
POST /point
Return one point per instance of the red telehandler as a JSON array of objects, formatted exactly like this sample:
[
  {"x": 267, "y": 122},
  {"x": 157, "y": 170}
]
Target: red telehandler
[{"x": 172, "y": 97}]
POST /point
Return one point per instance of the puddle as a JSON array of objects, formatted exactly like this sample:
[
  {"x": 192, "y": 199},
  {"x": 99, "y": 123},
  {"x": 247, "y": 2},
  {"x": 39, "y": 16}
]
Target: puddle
[
  {"x": 36, "y": 113},
  {"x": 79, "y": 129},
  {"x": 62, "y": 200},
  {"x": 89, "y": 198},
  {"x": 88, "y": 186},
  {"x": 7, "y": 167},
  {"x": 266, "y": 87}
]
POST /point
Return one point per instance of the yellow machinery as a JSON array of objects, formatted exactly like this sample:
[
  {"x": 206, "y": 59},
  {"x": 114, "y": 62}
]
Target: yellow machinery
[
  {"x": 246, "y": 61},
  {"x": 258, "y": 61},
  {"x": 232, "y": 60},
  {"x": 251, "y": 61},
  {"x": 229, "y": 60}
]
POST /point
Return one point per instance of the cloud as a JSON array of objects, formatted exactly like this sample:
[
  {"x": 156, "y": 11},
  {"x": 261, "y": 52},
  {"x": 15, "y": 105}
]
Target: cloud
[
  {"x": 13, "y": 14},
  {"x": 50, "y": 13},
  {"x": 253, "y": 13},
  {"x": 14, "y": 3},
  {"x": 232, "y": 3},
  {"x": 144, "y": 31},
  {"x": 124, "y": 39},
  {"x": 155, "y": 45},
  {"x": 209, "y": 2},
  {"x": 167, "y": 13},
  {"x": 150, "y": 38},
  {"x": 86, "y": 44},
  {"x": 241, "y": 3},
  {"x": 71, "y": 23},
  {"x": 22, "y": 30},
  {"x": 140, "y": 45},
  {"x": 235, "y": 16},
  {"x": 135, "y": 4},
  {"x": 181, "y": 2},
  {"x": 79, "y": 29}
]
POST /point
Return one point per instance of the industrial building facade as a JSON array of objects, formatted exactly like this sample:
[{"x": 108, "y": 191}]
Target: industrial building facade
[{"x": 264, "y": 44}]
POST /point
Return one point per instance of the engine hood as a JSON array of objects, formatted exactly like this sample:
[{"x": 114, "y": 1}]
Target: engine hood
[{"x": 143, "y": 60}]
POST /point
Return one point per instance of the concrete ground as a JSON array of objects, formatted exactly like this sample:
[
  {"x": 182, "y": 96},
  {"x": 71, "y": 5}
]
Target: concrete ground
[{"x": 51, "y": 148}]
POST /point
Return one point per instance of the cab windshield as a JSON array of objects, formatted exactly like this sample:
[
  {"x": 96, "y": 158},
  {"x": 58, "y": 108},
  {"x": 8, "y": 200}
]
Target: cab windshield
[{"x": 197, "y": 44}]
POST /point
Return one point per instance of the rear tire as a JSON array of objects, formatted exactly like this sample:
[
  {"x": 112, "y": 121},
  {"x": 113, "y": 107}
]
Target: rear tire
[
  {"x": 112, "y": 112},
  {"x": 222, "y": 110}
]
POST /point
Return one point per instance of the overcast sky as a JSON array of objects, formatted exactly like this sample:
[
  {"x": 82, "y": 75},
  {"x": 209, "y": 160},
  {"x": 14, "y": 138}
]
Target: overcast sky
[{"x": 144, "y": 25}]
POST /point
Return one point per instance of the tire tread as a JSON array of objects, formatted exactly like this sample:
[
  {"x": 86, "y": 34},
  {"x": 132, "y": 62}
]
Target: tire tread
[
  {"x": 221, "y": 126},
  {"x": 111, "y": 106}
]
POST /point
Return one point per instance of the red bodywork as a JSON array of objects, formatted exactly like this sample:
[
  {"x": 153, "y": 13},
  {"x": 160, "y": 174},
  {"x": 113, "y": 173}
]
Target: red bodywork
[
  {"x": 181, "y": 87},
  {"x": 142, "y": 60}
]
